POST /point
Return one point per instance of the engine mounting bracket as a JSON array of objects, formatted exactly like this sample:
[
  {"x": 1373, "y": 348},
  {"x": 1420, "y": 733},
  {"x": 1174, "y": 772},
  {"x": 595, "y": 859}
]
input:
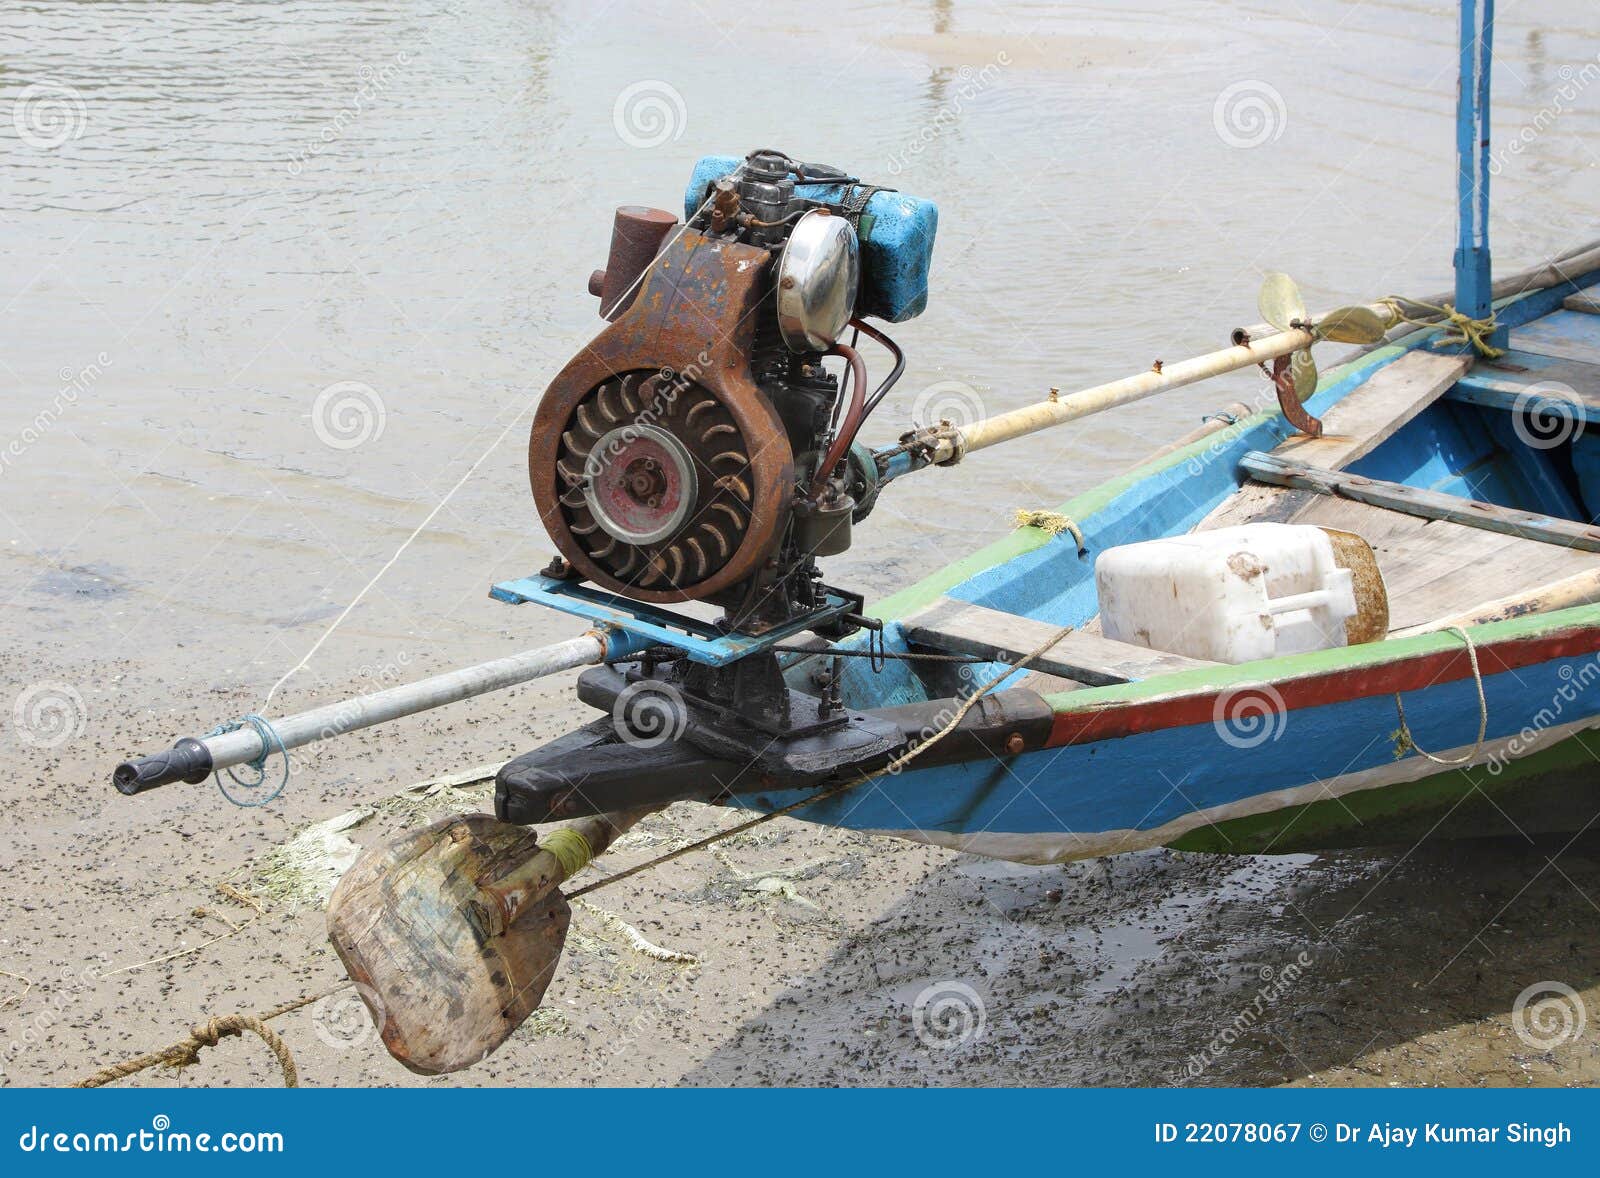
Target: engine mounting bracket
[{"x": 701, "y": 641}]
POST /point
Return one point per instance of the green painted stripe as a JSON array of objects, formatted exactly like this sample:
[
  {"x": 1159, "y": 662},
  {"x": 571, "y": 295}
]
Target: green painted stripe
[{"x": 1321, "y": 662}]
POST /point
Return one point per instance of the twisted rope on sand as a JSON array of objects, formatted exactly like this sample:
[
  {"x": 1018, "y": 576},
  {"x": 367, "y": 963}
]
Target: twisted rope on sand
[{"x": 208, "y": 1034}]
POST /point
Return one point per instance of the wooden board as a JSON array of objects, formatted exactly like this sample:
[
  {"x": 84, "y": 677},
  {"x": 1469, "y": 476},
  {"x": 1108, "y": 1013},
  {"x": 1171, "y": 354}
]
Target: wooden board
[
  {"x": 1525, "y": 380},
  {"x": 1583, "y": 301},
  {"x": 1473, "y": 513},
  {"x": 963, "y": 628},
  {"x": 1371, "y": 414},
  {"x": 1352, "y": 429},
  {"x": 1566, "y": 335},
  {"x": 1434, "y": 569}
]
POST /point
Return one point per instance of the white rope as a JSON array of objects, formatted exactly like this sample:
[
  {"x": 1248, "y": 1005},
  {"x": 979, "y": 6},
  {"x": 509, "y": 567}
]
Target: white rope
[
  {"x": 1403, "y": 738},
  {"x": 471, "y": 470}
]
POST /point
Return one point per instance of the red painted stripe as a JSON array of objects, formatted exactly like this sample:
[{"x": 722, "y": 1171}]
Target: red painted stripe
[{"x": 1127, "y": 718}]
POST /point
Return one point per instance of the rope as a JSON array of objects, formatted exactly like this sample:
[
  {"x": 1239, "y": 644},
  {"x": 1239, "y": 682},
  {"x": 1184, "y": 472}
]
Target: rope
[
  {"x": 1464, "y": 328},
  {"x": 269, "y": 736},
  {"x": 1054, "y": 523},
  {"x": 459, "y": 483},
  {"x": 893, "y": 766},
  {"x": 570, "y": 848},
  {"x": 208, "y": 1034},
  {"x": 1403, "y": 741}
]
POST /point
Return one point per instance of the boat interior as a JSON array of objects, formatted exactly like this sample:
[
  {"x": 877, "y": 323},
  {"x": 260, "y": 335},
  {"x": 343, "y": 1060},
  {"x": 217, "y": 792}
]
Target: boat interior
[{"x": 1475, "y": 481}]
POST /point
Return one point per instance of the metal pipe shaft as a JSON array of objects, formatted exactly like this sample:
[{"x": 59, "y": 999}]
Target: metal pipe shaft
[
  {"x": 946, "y": 443},
  {"x": 192, "y": 759}
]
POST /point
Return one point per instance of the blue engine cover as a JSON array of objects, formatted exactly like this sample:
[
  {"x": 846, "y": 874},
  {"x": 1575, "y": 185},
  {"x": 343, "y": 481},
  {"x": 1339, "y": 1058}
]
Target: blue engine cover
[{"x": 896, "y": 249}]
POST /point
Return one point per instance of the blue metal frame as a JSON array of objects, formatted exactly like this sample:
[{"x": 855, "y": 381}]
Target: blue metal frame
[
  {"x": 701, "y": 641},
  {"x": 1473, "y": 282}
]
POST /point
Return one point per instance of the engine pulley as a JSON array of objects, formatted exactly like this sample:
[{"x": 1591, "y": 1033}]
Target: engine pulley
[{"x": 656, "y": 485}]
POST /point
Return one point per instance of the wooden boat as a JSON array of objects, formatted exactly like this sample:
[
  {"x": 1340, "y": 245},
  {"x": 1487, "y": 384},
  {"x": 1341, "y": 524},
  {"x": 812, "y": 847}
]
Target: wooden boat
[
  {"x": 1477, "y": 513},
  {"x": 698, "y": 451}
]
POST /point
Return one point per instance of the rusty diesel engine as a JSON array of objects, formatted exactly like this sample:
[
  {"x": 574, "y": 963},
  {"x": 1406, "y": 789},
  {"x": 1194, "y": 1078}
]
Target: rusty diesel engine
[{"x": 701, "y": 447}]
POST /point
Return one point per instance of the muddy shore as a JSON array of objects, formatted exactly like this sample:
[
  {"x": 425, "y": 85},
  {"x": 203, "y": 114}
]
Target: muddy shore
[{"x": 824, "y": 957}]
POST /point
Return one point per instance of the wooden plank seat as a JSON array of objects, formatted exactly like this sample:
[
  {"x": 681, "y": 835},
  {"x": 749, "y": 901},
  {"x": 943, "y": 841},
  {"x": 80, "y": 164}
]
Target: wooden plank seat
[
  {"x": 1434, "y": 569},
  {"x": 1419, "y": 501},
  {"x": 1527, "y": 381},
  {"x": 1362, "y": 421},
  {"x": 1564, "y": 335},
  {"x": 959, "y": 627}
]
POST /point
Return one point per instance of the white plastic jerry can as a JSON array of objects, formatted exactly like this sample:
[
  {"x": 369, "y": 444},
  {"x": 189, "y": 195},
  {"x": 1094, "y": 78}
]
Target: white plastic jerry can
[{"x": 1232, "y": 595}]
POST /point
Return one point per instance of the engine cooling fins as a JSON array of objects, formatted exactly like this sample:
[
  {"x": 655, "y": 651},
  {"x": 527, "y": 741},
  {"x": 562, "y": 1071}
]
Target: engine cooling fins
[
  {"x": 655, "y": 482},
  {"x": 661, "y": 471}
]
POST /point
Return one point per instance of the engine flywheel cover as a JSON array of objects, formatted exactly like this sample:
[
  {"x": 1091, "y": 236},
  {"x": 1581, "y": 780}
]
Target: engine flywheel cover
[
  {"x": 660, "y": 470},
  {"x": 655, "y": 488}
]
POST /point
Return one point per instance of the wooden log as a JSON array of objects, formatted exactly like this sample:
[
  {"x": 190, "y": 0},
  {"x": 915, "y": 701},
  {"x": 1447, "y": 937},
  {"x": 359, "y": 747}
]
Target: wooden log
[
  {"x": 1270, "y": 468},
  {"x": 1579, "y": 589}
]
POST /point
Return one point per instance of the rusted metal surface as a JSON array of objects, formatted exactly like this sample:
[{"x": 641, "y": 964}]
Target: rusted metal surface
[
  {"x": 1370, "y": 622},
  {"x": 636, "y": 236},
  {"x": 1289, "y": 400},
  {"x": 690, "y": 329}
]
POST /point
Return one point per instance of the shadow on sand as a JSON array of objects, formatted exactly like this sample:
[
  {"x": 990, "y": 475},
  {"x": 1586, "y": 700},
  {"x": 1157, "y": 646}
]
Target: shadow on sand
[{"x": 1166, "y": 968}]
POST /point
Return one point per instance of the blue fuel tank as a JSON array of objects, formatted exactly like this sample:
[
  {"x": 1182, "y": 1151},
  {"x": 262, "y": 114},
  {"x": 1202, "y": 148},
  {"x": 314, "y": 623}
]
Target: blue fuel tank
[{"x": 896, "y": 239}]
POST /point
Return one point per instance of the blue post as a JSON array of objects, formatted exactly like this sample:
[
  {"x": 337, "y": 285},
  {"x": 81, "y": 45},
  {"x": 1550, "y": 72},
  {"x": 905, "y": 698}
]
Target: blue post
[{"x": 1473, "y": 283}]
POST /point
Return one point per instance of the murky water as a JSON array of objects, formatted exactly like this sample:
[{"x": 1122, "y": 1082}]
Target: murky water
[
  {"x": 218, "y": 211},
  {"x": 282, "y": 284}
]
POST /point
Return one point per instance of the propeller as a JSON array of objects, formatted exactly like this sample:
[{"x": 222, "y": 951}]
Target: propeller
[{"x": 1282, "y": 306}]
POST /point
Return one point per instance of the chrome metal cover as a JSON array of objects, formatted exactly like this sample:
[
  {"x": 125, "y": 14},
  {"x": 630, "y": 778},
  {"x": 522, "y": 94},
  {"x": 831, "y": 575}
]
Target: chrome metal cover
[{"x": 818, "y": 276}]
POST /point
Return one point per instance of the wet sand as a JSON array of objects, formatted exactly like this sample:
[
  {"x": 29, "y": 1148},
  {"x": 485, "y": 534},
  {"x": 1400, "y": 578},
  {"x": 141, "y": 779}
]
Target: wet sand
[{"x": 824, "y": 957}]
